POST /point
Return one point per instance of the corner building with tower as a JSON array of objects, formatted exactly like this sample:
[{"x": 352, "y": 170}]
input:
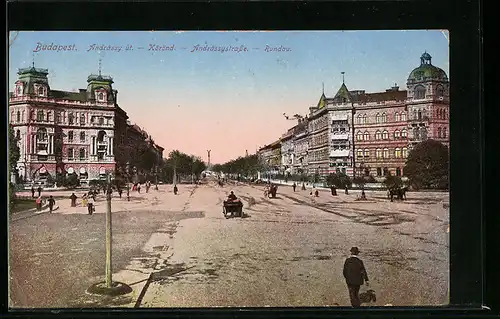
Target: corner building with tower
[
  {"x": 59, "y": 132},
  {"x": 362, "y": 134}
]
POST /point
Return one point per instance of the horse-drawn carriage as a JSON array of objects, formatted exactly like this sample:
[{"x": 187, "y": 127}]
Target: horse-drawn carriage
[
  {"x": 270, "y": 191},
  {"x": 399, "y": 192},
  {"x": 232, "y": 208}
]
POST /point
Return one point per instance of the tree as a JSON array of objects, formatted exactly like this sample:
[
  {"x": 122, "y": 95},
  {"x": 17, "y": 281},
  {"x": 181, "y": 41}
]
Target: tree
[
  {"x": 339, "y": 180},
  {"x": 427, "y": 165},
  {"x": 392, "y": 181}
]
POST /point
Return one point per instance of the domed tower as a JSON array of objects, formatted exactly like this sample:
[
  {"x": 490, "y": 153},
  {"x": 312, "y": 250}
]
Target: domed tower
[{"x": 428, "y": 102}]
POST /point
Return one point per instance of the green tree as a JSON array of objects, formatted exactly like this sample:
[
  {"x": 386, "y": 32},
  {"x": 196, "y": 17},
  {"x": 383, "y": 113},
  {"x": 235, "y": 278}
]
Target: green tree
[
  {"x": 339, "y": 180},
  {"x": 427, "y": 165}
]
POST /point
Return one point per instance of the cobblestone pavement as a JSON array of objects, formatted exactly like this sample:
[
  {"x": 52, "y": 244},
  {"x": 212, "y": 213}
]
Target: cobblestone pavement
[{"x": 288, "y": 251}]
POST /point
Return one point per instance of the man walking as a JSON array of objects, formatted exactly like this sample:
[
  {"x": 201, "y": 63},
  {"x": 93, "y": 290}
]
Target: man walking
[
  {"x": 51, "y": 203},
  {"x": 32, "y": 192},
  {"x": 354, "y": 274},
  {"x": 39, "y": 191},
  {"x": 294, "y": 186}
]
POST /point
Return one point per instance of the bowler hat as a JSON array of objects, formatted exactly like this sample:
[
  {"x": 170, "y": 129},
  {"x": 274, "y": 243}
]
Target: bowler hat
[{"x": 355, "y": 250}]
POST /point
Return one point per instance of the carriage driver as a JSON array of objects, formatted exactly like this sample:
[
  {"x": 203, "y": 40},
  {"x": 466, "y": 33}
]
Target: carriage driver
[{"x": 232, "y": 197}]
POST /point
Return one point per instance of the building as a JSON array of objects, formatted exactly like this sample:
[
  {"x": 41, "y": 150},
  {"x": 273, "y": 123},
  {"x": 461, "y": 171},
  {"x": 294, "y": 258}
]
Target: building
[
  {"x": 301, "y": 146},
  {"x": 270, "y": 156},
  {"x": 361, "y": 133},
  {"x": 287, "y": 152},
  {"x": 61, "y": 132}
]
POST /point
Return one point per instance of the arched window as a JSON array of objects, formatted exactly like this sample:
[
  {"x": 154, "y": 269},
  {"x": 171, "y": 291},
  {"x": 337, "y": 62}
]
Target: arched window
[
  {"x": 48, "y": 116},
  {"x": 71, "y": 118},
  {"x": 359, "y": 136},
  {"x": 19, "y": 90},
  {"x": 397, "y": 152},
  {"x": 40, "y": 91},
  {"x": 386, "y": 153},
  {"x": 444, "y": 132},
  {"x": 440, "y": 91},
  {"x": 378, "y": 153},
  {"x": 419, "y": 115},
  {"x": 444, "y": 114},
  {"x": 360, "y": 153},
  {"x": 100, "y": 96},
  {"x": 405, "y": 152},
  {"x": 416, "y": 133},
  {"x": 403, "y": 116},
  {"x": 423, "y": 133},
  {"x": 396, "y": 117},
  {"x": 384, "y": 118},
  {"x": 40, "y": 116},
  {"x": 366, "y": 136},
  {"x": 439, "y": 132},
  {"x": 82, "y": 136},
  {"x": 358, "y": 119},
  {"x": 420, "y": 92},
  {"x": 404, "y": 133},
  {"x": 396, "y": 134},
  {"x": 378, "y": 135},
  {"x": 365, "y": 119},
  {"x": 42, "y": 134},
  {"x": 367, "y": 152},
  {"x": 82, "y": 153},
  {"x": 385, "y": 135},
  {"x": 377, "y": 118},
  {"x": 18, "y": 116}
]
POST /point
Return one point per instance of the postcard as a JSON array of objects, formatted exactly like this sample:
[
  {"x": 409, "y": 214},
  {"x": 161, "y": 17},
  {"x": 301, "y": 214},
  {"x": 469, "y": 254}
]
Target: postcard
[{"x": 228, "y": 169}]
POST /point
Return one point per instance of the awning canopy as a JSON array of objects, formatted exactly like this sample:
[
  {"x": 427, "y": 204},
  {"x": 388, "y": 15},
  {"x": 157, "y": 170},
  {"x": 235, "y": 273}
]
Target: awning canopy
[{"x": 339, "y": 153}]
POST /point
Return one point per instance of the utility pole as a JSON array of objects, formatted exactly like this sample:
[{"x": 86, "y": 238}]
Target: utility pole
[
  {"x": 208, "y": 165},
  {"x": 108, "y": 235}
]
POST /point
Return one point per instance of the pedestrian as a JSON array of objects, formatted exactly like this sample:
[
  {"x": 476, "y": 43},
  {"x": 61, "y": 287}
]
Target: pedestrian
[
  {"x": 73, "y": 200},
  {"x": 51, "y": 203},
  {"x": 175, "y": 189},
  {"x": 120, "y": 192},
  {"x": 39, "y": 191},
  {"x": 316, "y": 193},
  {"x": 39, "y": 203},
  {"x": 347, "y": 190},
  {"x": 90, "y": 207},
  {"x": 84, "y": 200},
  {"x": 32, "y": 192},
  {"x": 139, "y": 188},
  {"x": 156, "y": 187},
  {"x": 354, "y": 274},
  {"x": 294, "y": 186},
  {"x": 334, "y": 190}
]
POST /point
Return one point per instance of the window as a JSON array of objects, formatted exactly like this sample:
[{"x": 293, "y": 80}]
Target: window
[
  {"x": 420, "y": 92},
  {"x": 444, "y": 114},
  {"x": 444, "y": 132},
  {"x": 385, "y": 135},
  {"x": 416, "y": 133},
  {"x": 18, "y": 116},
  {"x": 386, "y": 153},
  {"x": 384, "y": 118},
  {"x": 58, "y": 117},
  {"x": 439, "y": 132},
  {"x": 396, "y": 117},
  {"x": 404, "y": 133},
  {"x": 101, "y": 120},
  {"x": 377, "y": 118},
  {"x": 19, "y": 90},
  {"x": 367, "y": 152},
  {"x": 48, "y": 116},
  {"x": 386, "y": 171},
  {"x": 378, "y": 153},
  {"x": 40, "y": 91},
  {"x": 70, "y": 136},
  {"x": 82, "y": 153},
  {"x": 82, "y": 119},
  {"x": 70, "y": 153},
  {"x": 378, "y": 135},
  {"x": 92, "y": 119},
  {"x": 397, "y": 152},
  {"x": 71, "y": 118},
  {"x": 440, "y": 91},
  {"x": 423, "y": 133},
  {"x": 405, "y": 152},
  {"x": 396, "y": 134},
  {"x": 365, "y": 119},
  {"x": 366, "y": 136},
  {"x": 360, "y": 153},
  {"x": 403, "y": 116},
  {"x": 358, "y": 119},
  {"x": 82, "y": 136},
  {"x": 40, "y": 116},
  {"x": 359, "y": 136},
  {"x": 100, "y": 97}
]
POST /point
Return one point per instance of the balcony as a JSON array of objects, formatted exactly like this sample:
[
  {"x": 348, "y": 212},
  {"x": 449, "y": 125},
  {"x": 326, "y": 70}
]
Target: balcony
[
  {"x": 340, "y": 136},
  {"x": 339, "y": 153}
]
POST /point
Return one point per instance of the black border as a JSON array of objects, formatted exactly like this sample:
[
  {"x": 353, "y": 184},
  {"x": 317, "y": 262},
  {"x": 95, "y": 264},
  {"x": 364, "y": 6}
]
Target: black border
[{"x": 462, "y": 18}]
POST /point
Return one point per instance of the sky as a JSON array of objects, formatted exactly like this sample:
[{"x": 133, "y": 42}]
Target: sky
[{"x": 229, "y": 101}]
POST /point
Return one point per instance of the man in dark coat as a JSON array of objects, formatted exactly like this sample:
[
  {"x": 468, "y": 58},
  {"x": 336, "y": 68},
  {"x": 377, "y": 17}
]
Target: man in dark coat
[
  {"x": 39, "y": 189},
  {"x": 51, "y": 203},
  {"x": 32, "y": 192},
  {"x": 355, "y": 275}
]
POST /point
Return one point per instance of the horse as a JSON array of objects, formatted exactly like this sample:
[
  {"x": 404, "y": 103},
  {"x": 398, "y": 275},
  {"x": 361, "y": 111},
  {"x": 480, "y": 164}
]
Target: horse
[{"x": 399, "y": 192}]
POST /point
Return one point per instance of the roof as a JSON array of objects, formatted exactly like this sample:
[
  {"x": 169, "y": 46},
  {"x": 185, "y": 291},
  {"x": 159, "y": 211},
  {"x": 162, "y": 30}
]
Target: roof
[
  {"x": 427, "y": 71},
  {"x": 379, "y": 96},
  {"x": 65, "y": 95}
]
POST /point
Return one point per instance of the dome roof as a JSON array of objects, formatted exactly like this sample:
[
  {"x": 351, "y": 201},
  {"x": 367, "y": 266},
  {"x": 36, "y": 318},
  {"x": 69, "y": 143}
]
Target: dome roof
[{"x": 427, "y": 71}]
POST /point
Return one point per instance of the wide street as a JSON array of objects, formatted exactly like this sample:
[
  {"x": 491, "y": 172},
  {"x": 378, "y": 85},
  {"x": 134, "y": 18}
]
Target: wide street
[{"x": 288, "y": 251}]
